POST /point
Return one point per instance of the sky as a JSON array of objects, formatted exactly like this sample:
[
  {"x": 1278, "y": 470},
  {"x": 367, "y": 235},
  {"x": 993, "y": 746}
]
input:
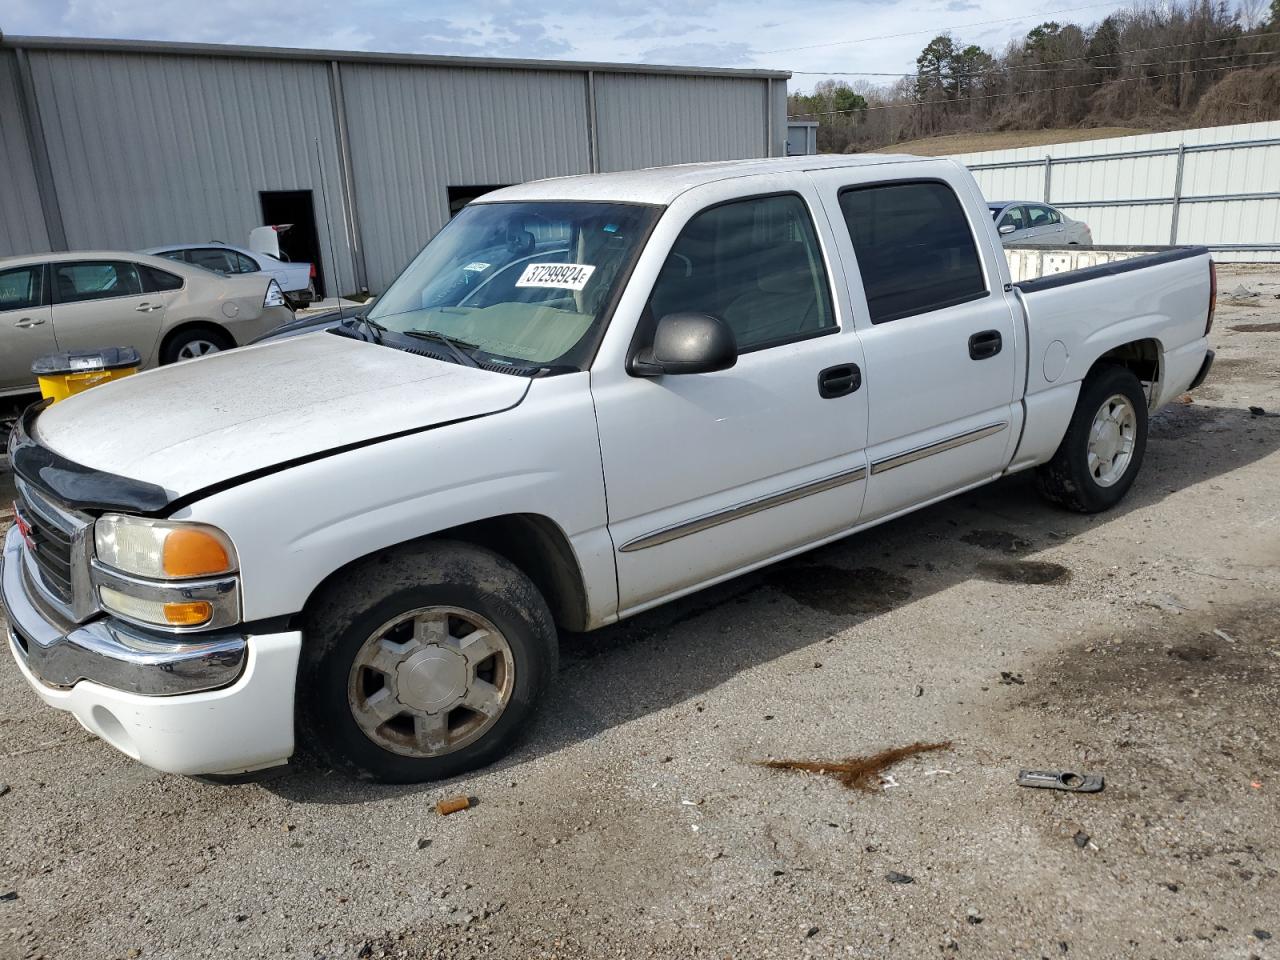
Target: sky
[{"x": 807, "y": 37}]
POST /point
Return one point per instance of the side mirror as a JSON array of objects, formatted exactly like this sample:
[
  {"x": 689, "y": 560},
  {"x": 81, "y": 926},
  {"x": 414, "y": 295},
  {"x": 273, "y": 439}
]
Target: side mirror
[
  {"x": 1007, "y": 229},
  {"x": 688, "y": 343}
]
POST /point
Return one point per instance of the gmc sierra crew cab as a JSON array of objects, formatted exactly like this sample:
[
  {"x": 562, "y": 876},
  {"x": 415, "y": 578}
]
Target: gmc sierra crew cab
[{"x": 585, "y": 397}]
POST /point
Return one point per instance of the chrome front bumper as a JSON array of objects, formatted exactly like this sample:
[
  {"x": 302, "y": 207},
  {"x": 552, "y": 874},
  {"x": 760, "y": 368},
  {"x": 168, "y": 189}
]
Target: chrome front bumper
[{"x": 106, "y": 651}]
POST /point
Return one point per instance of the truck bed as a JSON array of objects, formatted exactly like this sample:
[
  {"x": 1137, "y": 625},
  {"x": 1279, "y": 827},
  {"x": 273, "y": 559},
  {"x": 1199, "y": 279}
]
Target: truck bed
[{"x": 1028, "y": 263}]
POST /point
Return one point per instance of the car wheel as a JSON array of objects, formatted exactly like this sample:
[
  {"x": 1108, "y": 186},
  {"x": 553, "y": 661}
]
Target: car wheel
[
  {"x": 194, "y": 343},
  {"x": 1102, "y": 451},
  {"x": 424, "y": 663}
]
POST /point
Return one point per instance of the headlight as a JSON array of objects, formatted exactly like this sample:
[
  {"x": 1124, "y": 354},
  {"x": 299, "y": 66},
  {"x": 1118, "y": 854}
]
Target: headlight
[
  {"x": 274, "y": 297},
  {"x": 162, "y": 550},
  {"x": 163, "y": 573}
]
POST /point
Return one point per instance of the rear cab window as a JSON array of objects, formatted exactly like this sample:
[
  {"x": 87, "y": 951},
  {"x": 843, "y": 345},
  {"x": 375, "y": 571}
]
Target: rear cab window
[
  {"x": 914, "y": 246},
  {"x": 754, "y": 263}
]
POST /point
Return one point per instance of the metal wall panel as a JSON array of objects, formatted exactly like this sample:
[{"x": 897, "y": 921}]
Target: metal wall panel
[
  {"x": 1130, "y": 199},
  {"x": 150, "y": 149},
  {"x": 648, "y": 121},
  {"x": 415, "y": 131},
  {"x": 22, "y": 227}
]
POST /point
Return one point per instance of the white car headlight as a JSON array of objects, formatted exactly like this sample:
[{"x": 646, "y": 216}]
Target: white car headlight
[
  {"x": 274, "y": 297},
  {"x": 165, "y": 573},
  {"x": 162, "y": 550}
]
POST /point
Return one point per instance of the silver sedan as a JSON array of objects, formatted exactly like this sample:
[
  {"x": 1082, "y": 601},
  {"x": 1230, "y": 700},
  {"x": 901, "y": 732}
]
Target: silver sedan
[{"x": 1026, "y": 223}]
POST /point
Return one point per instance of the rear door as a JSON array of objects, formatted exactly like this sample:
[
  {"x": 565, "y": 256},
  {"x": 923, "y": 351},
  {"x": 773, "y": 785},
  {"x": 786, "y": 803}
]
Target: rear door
[
  {"x": 26, "y": 324},
  {"x": 939, "y": 338},
  {"x": 1044, "y": 225},
  {"x": 106, "y": 303}
]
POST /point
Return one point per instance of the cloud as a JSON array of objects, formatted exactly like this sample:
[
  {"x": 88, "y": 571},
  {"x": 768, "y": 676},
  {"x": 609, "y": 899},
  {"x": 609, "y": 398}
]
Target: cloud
[
  {"x": 653, "y": 31},
  {"x": 725, "y": 54},
  {"x": 960, "y": 6}
]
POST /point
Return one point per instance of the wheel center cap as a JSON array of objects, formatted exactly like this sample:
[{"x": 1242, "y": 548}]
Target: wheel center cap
[
  {"x": 431, "y": 680},
  {"x": 1109, "y": 437}
]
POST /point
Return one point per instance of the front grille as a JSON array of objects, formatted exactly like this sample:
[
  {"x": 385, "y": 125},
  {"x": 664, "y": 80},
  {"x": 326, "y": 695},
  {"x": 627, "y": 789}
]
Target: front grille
[{"x": 49, "y": 543}]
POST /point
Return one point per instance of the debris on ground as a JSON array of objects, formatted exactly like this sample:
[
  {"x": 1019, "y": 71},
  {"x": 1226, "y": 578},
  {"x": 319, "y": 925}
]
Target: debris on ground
[
  {"x": 1060, "y": 780},
  {"x": 423, "y": 843},
  {"x": 1009, "y": 679},
  {"x": 1081, "y": 839},
  {"x": 859, "y": 773},
  {"x": 1261, "y": 412},
  {"x": 11, "y": 895},
  {"x": 4, "y": 788},
  {"x": 893, "y": 876},
  {"x": 973, "y": 916},
  {"x": 452, "y": 805},
  {"x": 1223, "y": 635}
]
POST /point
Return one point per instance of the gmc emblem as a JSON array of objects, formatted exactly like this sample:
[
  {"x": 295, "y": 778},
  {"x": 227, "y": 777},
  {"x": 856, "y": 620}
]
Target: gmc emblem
[{"x": 24, "y": 528}]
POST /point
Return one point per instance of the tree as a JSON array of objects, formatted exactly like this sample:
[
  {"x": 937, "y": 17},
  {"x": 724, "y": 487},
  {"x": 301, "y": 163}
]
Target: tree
[{"x": 935, "y": 69}]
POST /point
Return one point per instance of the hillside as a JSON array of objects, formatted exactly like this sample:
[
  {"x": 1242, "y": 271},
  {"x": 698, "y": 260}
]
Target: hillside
[{"x": 1003, "y": 140}]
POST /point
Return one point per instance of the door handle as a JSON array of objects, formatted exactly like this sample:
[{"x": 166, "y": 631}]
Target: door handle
[
  {"x": 147, "y": 307},
  {"x": 28, "y": 322},
  {"x": 839, "y": 381},
  {"x": 985, "y": 344}
]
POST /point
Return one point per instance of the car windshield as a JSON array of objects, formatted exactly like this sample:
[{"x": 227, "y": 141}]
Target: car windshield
[{"x": 526, "y": 283}]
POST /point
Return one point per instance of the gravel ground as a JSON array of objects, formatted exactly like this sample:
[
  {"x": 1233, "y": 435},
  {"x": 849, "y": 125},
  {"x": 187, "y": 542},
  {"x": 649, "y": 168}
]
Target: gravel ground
[{"x": 1143, "y": 645}]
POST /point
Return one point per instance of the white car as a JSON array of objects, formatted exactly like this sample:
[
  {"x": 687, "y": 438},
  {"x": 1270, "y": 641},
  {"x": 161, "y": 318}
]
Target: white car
[
  {"x": 586, "y": 396},
  {"x": 1031, "y": 224},
  {"x": 297, "y": 280}
]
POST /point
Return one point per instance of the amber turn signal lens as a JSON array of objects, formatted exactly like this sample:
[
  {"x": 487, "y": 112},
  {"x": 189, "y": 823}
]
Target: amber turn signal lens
[
  {"x": 190, "y": 614},
  {"x": 194, "y": 553}
]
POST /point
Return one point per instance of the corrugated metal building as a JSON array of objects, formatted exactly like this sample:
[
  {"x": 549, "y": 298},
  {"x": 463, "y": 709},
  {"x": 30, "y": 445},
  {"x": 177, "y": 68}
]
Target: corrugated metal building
[{"x": 129, "y": 144}]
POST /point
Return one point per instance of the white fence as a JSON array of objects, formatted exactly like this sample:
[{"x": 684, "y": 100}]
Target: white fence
[{"x": 1218, "y": 186}]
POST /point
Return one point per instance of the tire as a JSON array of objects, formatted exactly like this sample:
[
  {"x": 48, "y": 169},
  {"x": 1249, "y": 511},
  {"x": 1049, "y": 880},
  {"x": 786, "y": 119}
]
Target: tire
[
  {"x": 379, "y": 670},
  {"x": 194, "y": 342},
  {"x": 1075, "y": 481}
]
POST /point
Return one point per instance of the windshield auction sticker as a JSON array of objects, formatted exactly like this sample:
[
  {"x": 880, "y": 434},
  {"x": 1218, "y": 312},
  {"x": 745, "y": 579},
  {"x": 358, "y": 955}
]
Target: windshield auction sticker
[{"x": 562, "y": 276}]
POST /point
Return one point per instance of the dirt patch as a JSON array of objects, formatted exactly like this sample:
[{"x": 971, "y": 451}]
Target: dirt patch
[
  {"x": 1257, "y": 328},
  {"x": 1180, "y": 420},
  {"x": 1036, "y": 572},
  {"x": 858, "y": 773},
  {"x": 1000, "y": 540},
  {"x": 839, "y": 591}
]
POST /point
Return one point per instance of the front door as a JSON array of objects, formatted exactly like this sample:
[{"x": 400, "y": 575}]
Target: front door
[
  {"x": 26, "y": 324},
  {"x": 940, "y": 340},
  {"x": 708, "y": 474},
  {"x": 105, "y": 303}
]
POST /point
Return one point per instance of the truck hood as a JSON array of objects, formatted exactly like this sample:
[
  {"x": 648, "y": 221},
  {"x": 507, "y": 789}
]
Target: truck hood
[{"x": 203, "y": 422}]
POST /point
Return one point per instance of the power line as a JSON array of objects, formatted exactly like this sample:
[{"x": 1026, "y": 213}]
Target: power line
[
  {"x": 961, "y": 26},
  {"x": 1041, "y": 64},
  {"x": 1017, "y": 93},
  {"x": 1040, "y": 67}
]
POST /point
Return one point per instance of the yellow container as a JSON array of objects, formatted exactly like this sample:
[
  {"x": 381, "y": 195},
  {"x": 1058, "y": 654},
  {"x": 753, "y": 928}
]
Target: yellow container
[{"x": 63, "y": 375}]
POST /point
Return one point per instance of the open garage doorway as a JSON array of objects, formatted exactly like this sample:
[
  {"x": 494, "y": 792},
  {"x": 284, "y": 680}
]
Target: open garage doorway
[{"x": 301, "y": 242}]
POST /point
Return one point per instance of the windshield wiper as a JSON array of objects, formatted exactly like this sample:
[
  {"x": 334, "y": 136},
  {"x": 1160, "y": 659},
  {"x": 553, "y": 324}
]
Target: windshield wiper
[
  {"x": 456, "y": 346},
  {"x": 375, "y": 328}
]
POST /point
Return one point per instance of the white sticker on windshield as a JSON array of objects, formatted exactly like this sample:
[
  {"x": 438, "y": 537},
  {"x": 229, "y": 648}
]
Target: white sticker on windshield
[
  {"x": 476, "y": 266},
  {"x": 562, "y": 276}
]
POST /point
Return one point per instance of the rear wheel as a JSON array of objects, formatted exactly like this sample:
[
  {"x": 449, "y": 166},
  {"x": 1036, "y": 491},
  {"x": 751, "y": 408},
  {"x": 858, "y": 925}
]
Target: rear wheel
[
  {"x": 424, "y": 663},
  {"x": 1102, "y": 451},
  {"x": 194, "y": 342}
]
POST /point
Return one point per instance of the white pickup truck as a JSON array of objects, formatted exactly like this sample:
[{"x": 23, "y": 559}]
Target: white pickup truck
[{"x": 585, "y": 397}]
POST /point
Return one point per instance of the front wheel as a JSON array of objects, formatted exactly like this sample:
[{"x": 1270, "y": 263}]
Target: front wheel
[
  {"x": 424, "y": 663},
  {"x": 1100, "y": 456}
]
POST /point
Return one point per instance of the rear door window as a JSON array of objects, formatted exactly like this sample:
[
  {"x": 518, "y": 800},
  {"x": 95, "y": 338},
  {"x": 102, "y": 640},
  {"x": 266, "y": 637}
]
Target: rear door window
[
  {"x": 1043, "y": 216},
  {"x": 96, "y": 280},
  {"x": 756, "y": 265},
  {"x": 914, "y": 246},
  {"x": 211, "y": 258},
  {"x": 21, "y": 288}
]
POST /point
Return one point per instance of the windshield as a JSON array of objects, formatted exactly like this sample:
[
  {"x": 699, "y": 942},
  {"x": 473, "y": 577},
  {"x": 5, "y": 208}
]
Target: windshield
[{"x": 525, "y": 283}]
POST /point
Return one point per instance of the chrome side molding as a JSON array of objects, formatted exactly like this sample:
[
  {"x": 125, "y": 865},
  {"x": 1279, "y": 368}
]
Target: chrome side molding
[
  {"x": 707, "y": 521},
  {"x": 929, "y": 449}
]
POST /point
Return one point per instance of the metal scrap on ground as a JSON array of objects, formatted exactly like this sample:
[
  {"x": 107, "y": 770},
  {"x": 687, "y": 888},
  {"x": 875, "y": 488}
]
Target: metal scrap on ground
[{"x": 860, "y": 773}]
